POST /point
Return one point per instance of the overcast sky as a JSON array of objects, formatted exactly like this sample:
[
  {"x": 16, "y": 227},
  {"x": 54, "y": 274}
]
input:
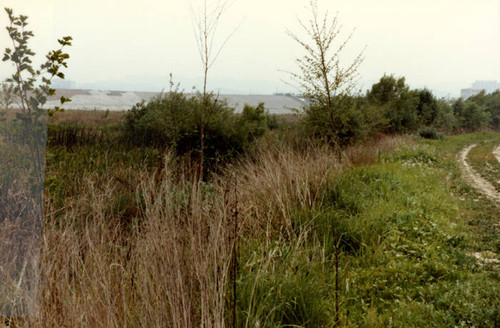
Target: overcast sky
[{"x": 444, "y": 45}]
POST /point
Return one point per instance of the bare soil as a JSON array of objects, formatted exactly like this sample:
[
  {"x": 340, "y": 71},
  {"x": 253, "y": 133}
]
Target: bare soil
[
  {"x": 496, "y": 152},
  {"x": 484, "y": 257},
  {"x": 475, "y": 179}
]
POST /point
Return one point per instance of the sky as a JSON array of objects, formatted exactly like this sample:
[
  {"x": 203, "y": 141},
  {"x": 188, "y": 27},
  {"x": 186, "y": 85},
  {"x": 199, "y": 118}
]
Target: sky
[{"x": 444, "y": 45}]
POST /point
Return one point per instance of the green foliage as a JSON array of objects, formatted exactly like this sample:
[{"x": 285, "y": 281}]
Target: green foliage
[
  {"x": 429, "y": 132},
  {"x": 326, "y": 83},
  {"x": 7, "y": 97},
  {"x": 174, "y": 120},
  {"x": 69, "y": 135},
  {"x": 30, "y": 87},
  {"x": 391, "y": 106},
  {"x": 339, "y": 124},
  {"x": 471, "y": 115},
  {"x": 283, "y": 285},
  {"x": 427, "y": 107},
  {"x": 404, "y": 251},
  {"x": 273, "y": 123},
  {"x": 103, "y": 157},
  {"x": 322, "y": 76},
  {"x": 24, "y": 125},
  {"x": 396, "y": 102},
  {"x": 446, "y": 120},
  {"x": 253, "y": 121},
  {"x": 489, "y": 106}
]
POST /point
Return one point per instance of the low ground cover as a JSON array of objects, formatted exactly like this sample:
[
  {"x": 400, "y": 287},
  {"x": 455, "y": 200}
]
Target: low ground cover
[{"x": 399, "y": 233}]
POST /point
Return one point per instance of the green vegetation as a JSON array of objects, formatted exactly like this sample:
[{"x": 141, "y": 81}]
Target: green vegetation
[
  {"x": 429, "y": 133},
  {"x": 390, "y": 106},
  {"x": 398, "y": 230},
  {"x": 23, "y": 138},
  {"x": 379, "y": 230},
  {"x": 404, "y": 251},
  {"x": 328, "y": 85},
  {"x": 339, "y": 115},
  {"x": 173, "y": 120}
]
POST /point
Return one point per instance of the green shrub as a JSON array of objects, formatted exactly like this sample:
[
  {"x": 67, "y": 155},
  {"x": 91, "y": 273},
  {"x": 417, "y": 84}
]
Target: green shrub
[
  {"x": 273, "y": 123},
  {"x": 397, "y": 103},
  {"x": 471, "y": 115},
  {"x": 341, "y": 124},
  {"x": 428, "y": 132},
  {"x": 173, "y": 120}
]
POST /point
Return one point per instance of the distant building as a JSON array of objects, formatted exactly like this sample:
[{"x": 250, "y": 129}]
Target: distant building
[
  {"x": 488, "y": 86},
  {"x": 466, "y": 93},
  {"x": 478, "y": 86}
]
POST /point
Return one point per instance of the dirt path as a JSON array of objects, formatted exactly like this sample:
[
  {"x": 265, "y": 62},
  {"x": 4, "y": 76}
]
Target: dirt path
[
  {"x": 475, "y": 179},
  {"x": 484, "y": 257},
  {"x": 496, "y": 152}
]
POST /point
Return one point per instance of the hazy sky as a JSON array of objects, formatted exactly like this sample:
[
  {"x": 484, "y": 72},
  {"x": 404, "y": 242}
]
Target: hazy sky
[{"x": 128, "y": 44}]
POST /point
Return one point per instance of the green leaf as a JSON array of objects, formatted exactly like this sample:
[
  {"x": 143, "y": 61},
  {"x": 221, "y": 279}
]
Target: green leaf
[{"x": 64, "y": 100}]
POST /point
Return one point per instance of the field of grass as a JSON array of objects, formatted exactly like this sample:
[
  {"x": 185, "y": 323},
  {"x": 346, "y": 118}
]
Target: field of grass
[
  {"x": 381, "y": 234},
  {"x": 395, "y": 237}
]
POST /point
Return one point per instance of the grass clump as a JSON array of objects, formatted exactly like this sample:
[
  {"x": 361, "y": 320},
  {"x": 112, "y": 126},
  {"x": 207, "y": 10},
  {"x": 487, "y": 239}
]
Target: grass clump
[{"x": 430, "y": 133}]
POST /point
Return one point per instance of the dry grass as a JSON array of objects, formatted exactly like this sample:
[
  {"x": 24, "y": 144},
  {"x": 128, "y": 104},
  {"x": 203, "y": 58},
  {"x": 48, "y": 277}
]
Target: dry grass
[
  {"x": 279, "y": 177},
  {"x": 167, "y": 269},
  {"x": 89, "y": 117},
  {"x": 370, "y": 152},
  {"x": 170, "y": 265}
]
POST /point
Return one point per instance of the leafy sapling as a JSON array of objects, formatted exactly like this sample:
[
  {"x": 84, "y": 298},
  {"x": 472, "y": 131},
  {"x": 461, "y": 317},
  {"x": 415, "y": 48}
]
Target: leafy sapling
[{"x": 31, "y": 87}]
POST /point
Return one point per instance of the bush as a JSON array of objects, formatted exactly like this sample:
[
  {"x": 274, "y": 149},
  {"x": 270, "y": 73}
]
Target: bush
[
  {"x": 173, "y": 120},
  {"x": 428, "y": 132},
  {"x": 341, "y": 124},
  {"x": 471, "y": 115},
  {"x": 397, "y": 103}
]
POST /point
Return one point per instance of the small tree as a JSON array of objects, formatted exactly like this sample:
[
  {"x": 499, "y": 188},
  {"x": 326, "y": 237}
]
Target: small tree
[
  {"x": 29, "y": 97},
  {"x": 397, "y": 103},
  {"x": 22, "y": 160},
  {"x": 322, "y": 78},
  {"x": 205, "y": 24},
  {"x": 471, "y": 116},
  {"x": 427, "y": 107}
]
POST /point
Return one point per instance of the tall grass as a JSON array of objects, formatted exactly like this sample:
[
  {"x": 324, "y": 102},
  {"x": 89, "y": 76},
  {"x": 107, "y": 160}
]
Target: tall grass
[
  {"x": 131, "y": 241},
  {"x": 280, "y": 177},
  {"x": 133, "y": 247},
  {"x": 166, "y": 267}
]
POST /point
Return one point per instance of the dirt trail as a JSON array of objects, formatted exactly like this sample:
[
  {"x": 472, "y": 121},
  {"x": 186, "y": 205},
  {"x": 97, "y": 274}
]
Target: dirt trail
[
  {"x": 496, "y": 152},
  {"x": 485, "y": 257},
  {"x": 475, "y": 179}
]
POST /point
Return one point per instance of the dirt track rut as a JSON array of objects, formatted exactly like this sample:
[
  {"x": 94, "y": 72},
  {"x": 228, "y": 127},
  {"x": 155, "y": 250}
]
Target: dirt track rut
[{"x": 475, "y": 179}]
